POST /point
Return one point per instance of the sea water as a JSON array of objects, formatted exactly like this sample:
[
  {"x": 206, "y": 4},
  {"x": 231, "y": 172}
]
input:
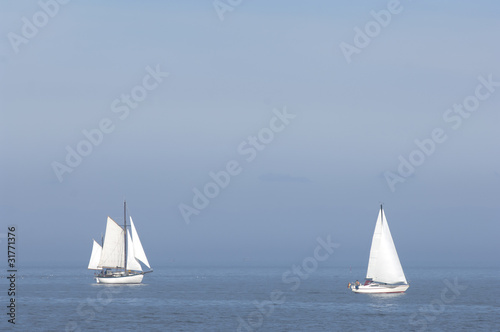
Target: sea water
[{"x": 252, "y": 298}]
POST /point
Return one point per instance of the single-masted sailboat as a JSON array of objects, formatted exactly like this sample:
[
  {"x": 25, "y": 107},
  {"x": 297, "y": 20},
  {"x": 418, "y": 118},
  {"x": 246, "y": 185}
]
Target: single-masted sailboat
[
  {"x": 385, "y": 273},
  {"x": 120, "y": 256}
]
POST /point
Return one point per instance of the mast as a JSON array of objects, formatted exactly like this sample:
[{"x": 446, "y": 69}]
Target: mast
[
  {"x": 381, "y": 213},
  {"x": 125, "y": 233}
]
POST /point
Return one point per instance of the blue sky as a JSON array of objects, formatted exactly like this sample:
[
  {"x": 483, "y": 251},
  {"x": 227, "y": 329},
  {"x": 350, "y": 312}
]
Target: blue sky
[{"x": 324, "y": 173}]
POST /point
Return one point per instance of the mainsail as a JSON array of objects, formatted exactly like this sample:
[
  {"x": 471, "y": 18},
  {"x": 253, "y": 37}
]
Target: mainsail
[
  {"x": 138, "y": 249},
  {"x": 95, "y": 256},
  {"x": 384, "y": 265},
  {"x": 114, "y": 246}
]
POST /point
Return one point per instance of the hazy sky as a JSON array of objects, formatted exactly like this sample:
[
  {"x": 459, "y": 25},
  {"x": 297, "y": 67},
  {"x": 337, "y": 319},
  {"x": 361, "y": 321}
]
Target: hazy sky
[{"x": 321, "y": 111}]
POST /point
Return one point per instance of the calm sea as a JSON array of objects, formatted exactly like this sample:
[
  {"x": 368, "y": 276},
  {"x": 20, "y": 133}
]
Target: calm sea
[{"x": 251, "y": 298}]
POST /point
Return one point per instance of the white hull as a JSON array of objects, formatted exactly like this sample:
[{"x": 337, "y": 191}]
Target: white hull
[
  {"x": 130, "y": 279},
  {"x": 379, "y": 289}
]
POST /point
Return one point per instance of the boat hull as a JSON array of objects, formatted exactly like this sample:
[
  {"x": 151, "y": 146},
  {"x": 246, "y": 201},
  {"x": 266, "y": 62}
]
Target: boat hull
[
  {"x": 130, "y": 279},
  {"x": 380, "y": 289}
]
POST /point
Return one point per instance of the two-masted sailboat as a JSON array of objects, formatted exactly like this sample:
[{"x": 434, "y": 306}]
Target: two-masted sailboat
[
  {"x": 385, "y": 273},
  {"x": 120, "y": 256}
]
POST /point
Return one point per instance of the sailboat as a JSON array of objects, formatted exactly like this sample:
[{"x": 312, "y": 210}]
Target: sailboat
[
  {"x": 385, "y": 273},
  {"x": 120, "y": 256}
]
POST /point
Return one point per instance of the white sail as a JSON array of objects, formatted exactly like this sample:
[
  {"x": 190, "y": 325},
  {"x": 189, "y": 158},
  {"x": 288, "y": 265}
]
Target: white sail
[
  {"x": 374, "y": 251},
  {"x": 132, "y": 263},
  {"x": 138, "y": 249},
  {"x": 95, "y": 256},
  {"x": 114, "y": 246},
  {"x": 384, "y": 265}
]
